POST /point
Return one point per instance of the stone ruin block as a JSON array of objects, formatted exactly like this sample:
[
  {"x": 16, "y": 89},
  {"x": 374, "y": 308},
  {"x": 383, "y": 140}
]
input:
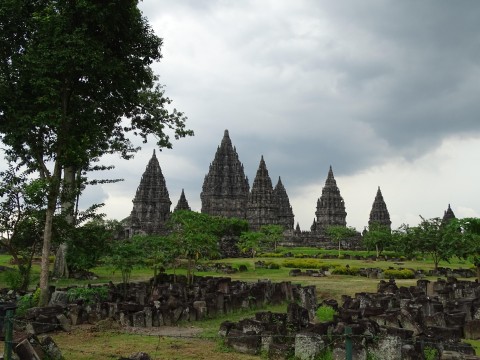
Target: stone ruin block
[
  {"x": 32, "y": 348},
  {"x": 389, "y": 344},
  {"x": 148, "y": 316},
  {"x": 339, "y": 353},
  {"x": 297, "y": 316},
  {"x": 308, "y": 345},
  {"x": 471, "y": 329},
  {"x": 455, "y": 319},
  {"x": 200, "y": 309},
  {"x": 437, "y": 319},
  {"x": 295, "y": 272},
  {"x": 251, "y": 326},
  {"x": 225, "y": 328},
  {"x": 280, "y": 352},
  {"x": 138, "y": 319},
  {"x": 247, "y": 343},
  {"x": 446, "y": 333}
]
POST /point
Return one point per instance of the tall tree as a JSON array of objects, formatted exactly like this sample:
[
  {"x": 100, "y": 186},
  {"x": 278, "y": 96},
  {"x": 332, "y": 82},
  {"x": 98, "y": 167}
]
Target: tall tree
[
  {"x": 20, "y": 220},
  {"x": 75, "y": 81},
  {"x": 463, "y": 237},
  {"x": 339, "y": 233},
  {"x": 377, "y": 236},
  {"x": 429, "y": 237},
  {"x": 196, "y": 236}
]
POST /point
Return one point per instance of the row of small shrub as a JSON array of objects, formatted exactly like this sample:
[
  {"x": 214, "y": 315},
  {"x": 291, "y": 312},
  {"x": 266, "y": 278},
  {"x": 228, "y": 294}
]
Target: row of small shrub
[
  {"x": 270, "y": 255},
  {"x": 305, "y": 264},
  {"x": 399, "y": 274},
  {"x": 345, "y": 270}
]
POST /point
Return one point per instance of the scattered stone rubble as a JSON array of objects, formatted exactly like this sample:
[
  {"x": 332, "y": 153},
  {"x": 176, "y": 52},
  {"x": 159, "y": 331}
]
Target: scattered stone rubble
[
  {"x": 394, "y": 323},
  {"x": 164, "y": 302}
]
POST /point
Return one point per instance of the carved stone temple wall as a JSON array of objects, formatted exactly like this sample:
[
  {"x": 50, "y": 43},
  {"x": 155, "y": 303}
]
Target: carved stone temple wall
[{"x": 226, "y": 192}]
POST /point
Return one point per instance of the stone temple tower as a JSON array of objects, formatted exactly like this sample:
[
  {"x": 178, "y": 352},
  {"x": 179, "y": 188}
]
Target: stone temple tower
[
  {"x": 182, "y": 203},
  {"x": 225, "y": 188},
  {"x": 330, "y": 205},
  {"x": 448, "y": 215},
  {"x": 151, "y": 205},
  {"x": 379, "y": 214},
  {"x": 262, "y": 205},
  {"x": 285, "y": 212}
]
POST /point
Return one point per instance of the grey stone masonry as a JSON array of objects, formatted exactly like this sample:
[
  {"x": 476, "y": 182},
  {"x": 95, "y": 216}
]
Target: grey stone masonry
[
  {"x": 225, "y": 188},
  {"x": 151, "y": 205},
  {"x": 182, "y": 203},
  {"x": 262, "y": 205},
  {"x": 285, "y": 212},
  {"x": 379, "y": 214},
  {"x": 330, "y": 205},
  {"x": 448, "y": 215}
]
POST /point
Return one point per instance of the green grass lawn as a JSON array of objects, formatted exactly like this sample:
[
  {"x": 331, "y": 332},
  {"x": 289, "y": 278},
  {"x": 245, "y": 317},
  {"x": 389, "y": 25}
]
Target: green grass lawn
[{"x": 207, "y": 345}]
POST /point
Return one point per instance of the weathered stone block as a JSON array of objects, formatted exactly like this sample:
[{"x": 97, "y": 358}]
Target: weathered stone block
[
  {"x": 51, "y": 349},
  {"x": 138, "y": 319},
  {"x": 472, "y": 330},
  {"x": 308, "y": 345},
  {"x": 65, "y": 324},
  {"x": 244, "y": 343},
  {"x": 280, "y": 352}
]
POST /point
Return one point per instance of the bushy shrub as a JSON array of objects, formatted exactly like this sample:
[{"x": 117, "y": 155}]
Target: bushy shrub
[
  {"x": 399, "y": 274},
  {"x": 345, "y": 270},
  {"x": 89, "y": 295},
  {"x": 305, "y": 264},
  {"x": 27, "y": 301},
  {"x": 325, "y": 313},
  {"x": 270, "y": 255},
  {"x": 14, "y": 279},
  {"x": 272, "y": 265}
]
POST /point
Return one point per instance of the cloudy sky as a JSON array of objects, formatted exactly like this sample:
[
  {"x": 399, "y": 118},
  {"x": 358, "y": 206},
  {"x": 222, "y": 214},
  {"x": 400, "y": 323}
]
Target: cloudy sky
[{"x": 387, "y": 92}]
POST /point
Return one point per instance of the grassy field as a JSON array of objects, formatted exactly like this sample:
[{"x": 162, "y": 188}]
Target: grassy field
[{"x": 205, "y": 344}]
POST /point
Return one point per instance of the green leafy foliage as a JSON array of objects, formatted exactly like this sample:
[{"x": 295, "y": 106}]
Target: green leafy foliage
[
  {"x": 430, "y": 237},
  {"x": 89, "y": 295},
  {"x": 160, "y": 251},
  {"x": 399, "y": 274},
  {"x": 463, "y": 236},
  {"x": 87, "y": 244},
  {"x": 345, "y": 270},
  {"x": 124, "y": 256},
  {"x": 325, "y": 313},
  {"x": 251, "y": 242},
  {"x": 14, "y": 279},
  {"x": 75, "y": 83},
  {"x": 305, "y": 264},
  {"x": 377, "y": 237},
  {"x": 340, "y": 233},
  {"x": 195, "y": 235},
  {"x": 26, "y": 302},
  {"x": 430, "y": 353}
]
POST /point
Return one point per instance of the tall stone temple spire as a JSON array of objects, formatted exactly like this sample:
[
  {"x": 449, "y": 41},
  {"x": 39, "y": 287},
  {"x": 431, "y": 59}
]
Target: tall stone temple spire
[
  {"x": 330, "y": 206},
  {"x": 448, "y": 215},
  {"x": 182, "y": 203},
  {"x": 262, "y": 205},
  {"x": 225, "y": 188},
  {"x": 285, "y": 212},
  {"x": 151, "y": 205},
  {"x": 379, "y": 214}
]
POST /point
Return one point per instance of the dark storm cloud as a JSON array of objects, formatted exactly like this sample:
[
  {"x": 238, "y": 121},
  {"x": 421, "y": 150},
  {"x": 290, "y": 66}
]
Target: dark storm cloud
[{"x": 309, "y": 84}]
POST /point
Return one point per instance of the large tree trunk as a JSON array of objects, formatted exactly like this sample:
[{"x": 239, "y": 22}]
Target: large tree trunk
[
  {"x": 53, "y": 191},
  {"x": 47, "y": 238},
  {"x": 60, "y": 267}
]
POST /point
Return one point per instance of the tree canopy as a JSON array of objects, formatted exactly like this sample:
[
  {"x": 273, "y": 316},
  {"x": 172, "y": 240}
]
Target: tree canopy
[{"x": 75, "y": 83}]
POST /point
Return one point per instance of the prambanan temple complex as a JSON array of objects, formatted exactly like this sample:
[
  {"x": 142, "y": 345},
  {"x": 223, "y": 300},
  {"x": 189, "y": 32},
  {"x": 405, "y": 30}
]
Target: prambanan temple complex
[{"x": 226, "y": 192}]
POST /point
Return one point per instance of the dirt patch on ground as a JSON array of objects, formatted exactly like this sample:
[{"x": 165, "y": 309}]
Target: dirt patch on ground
[
  {"x": 111, "y": 325},
  {"x": 173, "y": 331}
]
